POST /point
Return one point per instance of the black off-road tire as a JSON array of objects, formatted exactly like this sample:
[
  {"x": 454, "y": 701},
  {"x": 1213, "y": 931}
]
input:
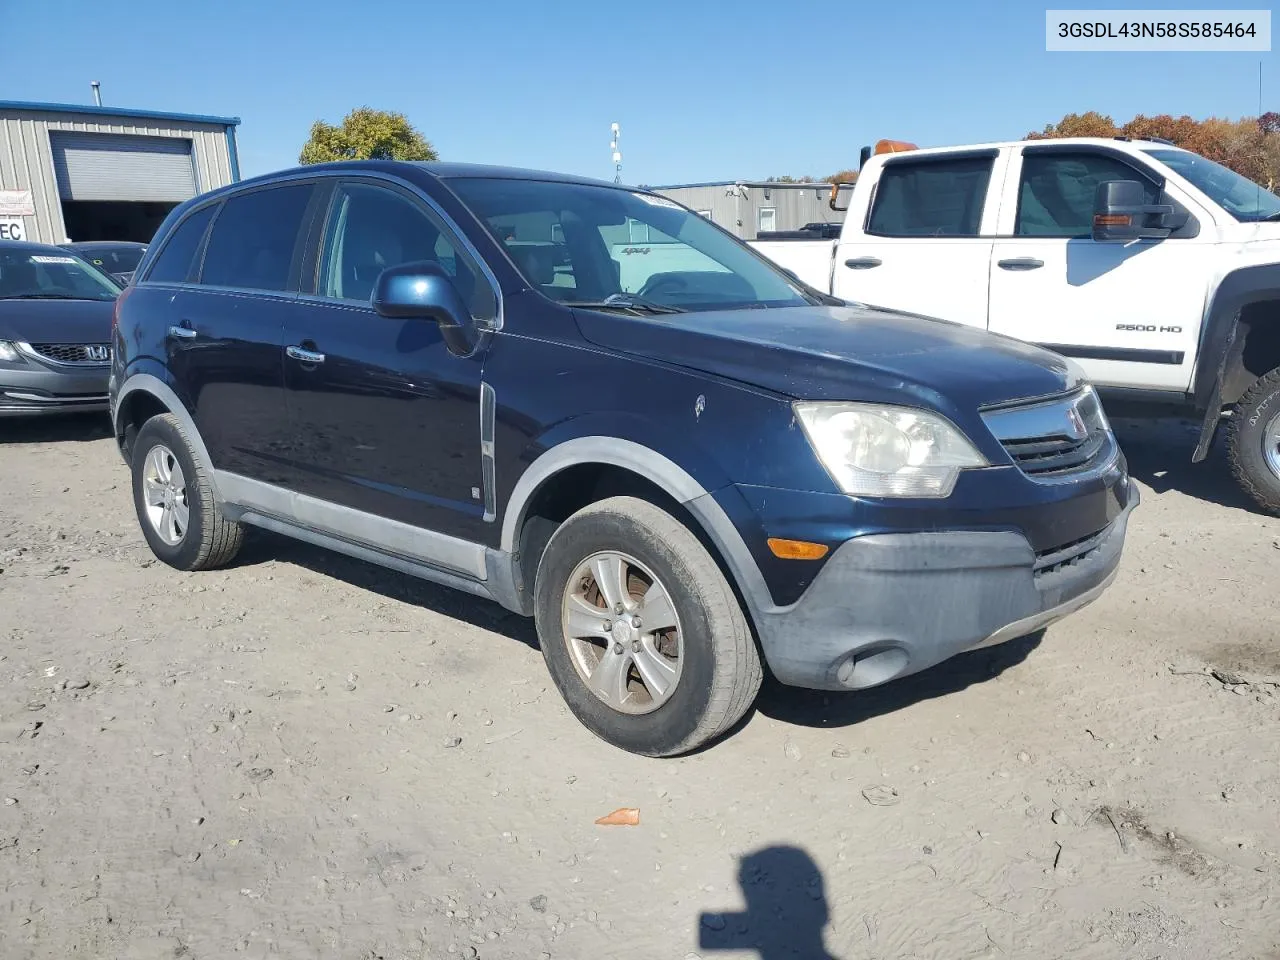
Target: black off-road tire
[
  {"x": 721, "y": 671},
  {"x": 210, "y": 540},
  {"x": 1256, "y": 409}
]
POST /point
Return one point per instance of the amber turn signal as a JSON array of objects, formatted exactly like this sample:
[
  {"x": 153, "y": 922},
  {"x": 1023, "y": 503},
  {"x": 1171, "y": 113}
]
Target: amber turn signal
[
  {"x": 1112, "y": 220},
  {"x": 797, "y": 549}
]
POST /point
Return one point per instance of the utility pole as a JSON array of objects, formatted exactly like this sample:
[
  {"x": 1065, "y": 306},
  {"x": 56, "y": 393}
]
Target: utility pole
[{"x": 617, "y": 155}]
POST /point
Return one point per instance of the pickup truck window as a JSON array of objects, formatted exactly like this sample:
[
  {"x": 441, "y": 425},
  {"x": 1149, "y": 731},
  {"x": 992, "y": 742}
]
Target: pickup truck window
[
  {"x": 1056, "y": 191},
  {"x": 930, "y": 198},
  {"x": 577, "y": 243},
  {"x": 1239, "y": 196}
]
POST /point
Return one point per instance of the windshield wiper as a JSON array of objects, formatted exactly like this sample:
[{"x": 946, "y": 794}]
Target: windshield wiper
[
  {"x": 625, "y": 301},
  {"x": 1270, "y": 217}
]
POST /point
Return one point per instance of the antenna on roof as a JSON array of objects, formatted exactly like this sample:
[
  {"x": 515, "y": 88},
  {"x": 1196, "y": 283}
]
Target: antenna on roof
[{"x": 97, "y": 92}]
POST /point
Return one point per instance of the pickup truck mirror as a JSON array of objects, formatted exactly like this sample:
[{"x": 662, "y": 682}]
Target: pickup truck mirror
[
  {"x": 423, "y": 291},
  {"x": 1121, "y": 213}
]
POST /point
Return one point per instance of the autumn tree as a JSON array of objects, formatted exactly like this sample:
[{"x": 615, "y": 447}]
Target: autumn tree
[
  {"x": 1091, "y": 124},
  {"x": 842, "y": 176},
  {"x": 366, "y": 134}
]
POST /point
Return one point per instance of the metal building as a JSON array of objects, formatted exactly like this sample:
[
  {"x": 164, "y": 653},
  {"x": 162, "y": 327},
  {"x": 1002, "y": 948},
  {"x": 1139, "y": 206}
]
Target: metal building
[
  {"x": 77, "y": 172},
  {"x": 745, "y": 208}
]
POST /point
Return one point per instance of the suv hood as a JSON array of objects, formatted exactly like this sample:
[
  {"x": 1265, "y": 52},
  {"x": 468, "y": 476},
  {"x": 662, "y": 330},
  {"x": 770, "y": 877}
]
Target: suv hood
[
  {"x": 842, "y": 353},
  {"x": 56, "y": 321}
]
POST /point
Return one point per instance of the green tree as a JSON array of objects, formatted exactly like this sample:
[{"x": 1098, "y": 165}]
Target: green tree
[{"x": 366, "y": 134}]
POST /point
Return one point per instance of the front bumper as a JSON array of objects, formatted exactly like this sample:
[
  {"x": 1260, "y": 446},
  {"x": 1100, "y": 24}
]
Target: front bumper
[
  {"x": 888, "y": 605},
  {"x": 30, "y": 390}
]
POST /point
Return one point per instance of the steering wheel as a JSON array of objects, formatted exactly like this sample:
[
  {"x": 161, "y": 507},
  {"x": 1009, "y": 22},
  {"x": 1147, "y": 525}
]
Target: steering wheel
[{"x": 659, "y": 284}]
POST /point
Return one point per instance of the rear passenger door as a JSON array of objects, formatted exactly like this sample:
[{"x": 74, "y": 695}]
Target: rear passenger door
[
  {"x": 925, "y": 244},
  {"x": 386, "y": 418},
  {"x": 224, "y": 338}
]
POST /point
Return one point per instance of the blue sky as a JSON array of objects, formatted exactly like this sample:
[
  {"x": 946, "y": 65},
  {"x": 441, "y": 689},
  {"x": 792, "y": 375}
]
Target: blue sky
[{"x": 703, "y": 89}]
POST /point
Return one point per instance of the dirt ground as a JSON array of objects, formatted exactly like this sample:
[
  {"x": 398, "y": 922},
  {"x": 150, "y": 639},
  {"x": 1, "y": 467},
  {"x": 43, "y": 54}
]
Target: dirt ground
[{"x": 305, "y": 756}]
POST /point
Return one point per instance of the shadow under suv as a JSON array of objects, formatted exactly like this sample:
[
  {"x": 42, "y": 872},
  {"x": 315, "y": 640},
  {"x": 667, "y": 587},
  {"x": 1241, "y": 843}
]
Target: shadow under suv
[{"x": 593, "y": 406}]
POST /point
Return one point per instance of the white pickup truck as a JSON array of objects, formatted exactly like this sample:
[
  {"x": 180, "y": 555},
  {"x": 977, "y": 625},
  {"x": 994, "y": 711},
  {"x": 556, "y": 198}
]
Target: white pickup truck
[{"x": 1156, "y": 269}]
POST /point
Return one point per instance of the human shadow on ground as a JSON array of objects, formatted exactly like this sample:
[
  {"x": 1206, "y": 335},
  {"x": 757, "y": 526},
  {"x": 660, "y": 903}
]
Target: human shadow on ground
[
  {"x": 67, "y": 428},
  {"x": 786, "y": 914},
  {"x": 810, "y": 708},
  {"x": 1159, "y": 455},
  {"x": 261, "y": 546}
]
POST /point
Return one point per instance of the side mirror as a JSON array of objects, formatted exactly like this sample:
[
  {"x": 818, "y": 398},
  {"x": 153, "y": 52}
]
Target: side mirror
[
  {"x": 423, "y": 291},
  {"x": 1121, "y": 213}
]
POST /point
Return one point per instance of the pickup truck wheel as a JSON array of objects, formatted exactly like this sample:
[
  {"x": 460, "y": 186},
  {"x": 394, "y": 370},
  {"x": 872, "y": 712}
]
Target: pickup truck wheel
[
  {"x": 1253, "y": 442},
  {"x": 174, "y": 501},
  {"x": 641, "y": 632}
]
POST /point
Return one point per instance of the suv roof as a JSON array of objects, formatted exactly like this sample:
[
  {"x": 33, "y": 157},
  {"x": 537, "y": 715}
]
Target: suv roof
[{"x": 436, "y": 169}]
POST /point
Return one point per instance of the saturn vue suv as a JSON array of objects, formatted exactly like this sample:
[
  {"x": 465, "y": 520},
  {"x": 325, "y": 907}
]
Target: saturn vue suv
[{"x": 594, "y": 407}]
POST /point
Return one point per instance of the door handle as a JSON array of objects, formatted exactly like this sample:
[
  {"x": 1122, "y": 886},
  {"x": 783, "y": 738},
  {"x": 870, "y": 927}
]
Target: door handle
[
  {"x": 863, "y": 263},
  {"x": 182, "y": 332},
  {"x": 1020, "y": 263},
  {"x": 303, "y": 355}
]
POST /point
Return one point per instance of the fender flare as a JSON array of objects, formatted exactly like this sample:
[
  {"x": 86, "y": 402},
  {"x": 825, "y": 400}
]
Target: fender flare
[
  {"x": 148, "y": 383},
  {"x": 1220, "y": 344},
  {"x": 668, "y": 475}
]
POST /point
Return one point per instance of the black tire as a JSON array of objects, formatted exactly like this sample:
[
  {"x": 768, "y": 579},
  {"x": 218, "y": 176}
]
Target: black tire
[
  {"x": 1245, "y": 434},
  {"x": 209, "y": 540},
  {"x": 720, "y": 672}
]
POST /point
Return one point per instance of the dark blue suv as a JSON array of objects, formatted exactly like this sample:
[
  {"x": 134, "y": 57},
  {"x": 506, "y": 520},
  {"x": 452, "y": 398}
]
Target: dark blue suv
[{"x": 594, "y": 407}]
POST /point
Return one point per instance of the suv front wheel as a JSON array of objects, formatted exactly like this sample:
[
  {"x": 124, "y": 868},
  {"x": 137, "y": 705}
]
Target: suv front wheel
[
  {"x": 174, "y": 501},
  {"x": 641, "y": 631}
]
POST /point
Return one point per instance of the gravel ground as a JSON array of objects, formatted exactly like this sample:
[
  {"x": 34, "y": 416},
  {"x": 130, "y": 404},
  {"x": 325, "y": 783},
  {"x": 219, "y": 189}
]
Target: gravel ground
[{"x": 305, "y": 756}]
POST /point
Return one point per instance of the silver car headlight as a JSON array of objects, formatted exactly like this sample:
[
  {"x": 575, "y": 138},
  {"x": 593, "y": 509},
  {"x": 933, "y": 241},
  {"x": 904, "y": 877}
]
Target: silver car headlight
[
  {"x": 877, "y": 450},
  {"x": 8, "y": 352}
]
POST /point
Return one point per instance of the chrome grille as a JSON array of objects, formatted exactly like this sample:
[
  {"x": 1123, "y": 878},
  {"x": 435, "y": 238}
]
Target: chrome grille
[
  {"x": 1055, "y": 439},
  {"x": 86, "y": 353}
]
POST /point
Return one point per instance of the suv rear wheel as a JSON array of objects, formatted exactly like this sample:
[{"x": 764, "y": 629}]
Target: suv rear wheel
[
  {"x": 174, "y": 501},
  {"x": 640, "y": 630},
  {"x": 1253, "y": 442}
]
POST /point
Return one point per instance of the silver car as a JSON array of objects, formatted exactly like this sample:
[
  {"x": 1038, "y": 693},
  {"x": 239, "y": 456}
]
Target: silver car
[{"x": 55, "y": 331}]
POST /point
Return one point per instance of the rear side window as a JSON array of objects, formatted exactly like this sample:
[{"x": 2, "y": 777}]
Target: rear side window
[
  {"x": 934, "y": 198},
  {"x": 177, "y": 260},
  {"x": 1056, "y": 191},
  {"x": 255, "y": 237}
]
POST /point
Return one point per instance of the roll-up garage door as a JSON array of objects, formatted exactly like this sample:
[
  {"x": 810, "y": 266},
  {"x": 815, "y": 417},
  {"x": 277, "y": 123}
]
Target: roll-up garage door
[{"x": 108, "y": 166}]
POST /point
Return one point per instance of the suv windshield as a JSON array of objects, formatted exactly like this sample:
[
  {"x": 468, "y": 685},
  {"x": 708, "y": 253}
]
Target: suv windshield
[
  {"x": 610, "y": 248},
  {"x": 1239, "y": 196},
  {"x": 39, "y": 276}
]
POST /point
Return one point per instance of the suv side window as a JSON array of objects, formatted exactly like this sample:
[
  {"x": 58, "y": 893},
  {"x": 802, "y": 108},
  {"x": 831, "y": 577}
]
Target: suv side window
[
  {"x": 177, "y": 261},
  {"x": 1056, "y": 191},
  {"x": 255, "y": 238},
  {"x": 372, "y": 227},
  {"x": 930, "y": 198}
]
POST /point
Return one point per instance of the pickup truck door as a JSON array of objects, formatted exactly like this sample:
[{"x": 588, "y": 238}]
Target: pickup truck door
[
  {"x": 914, "y": 236},
  {"x": 1129, "y": 314}
]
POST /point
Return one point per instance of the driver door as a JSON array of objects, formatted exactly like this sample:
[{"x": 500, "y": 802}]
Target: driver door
[{"x": 1127, "y": 313}]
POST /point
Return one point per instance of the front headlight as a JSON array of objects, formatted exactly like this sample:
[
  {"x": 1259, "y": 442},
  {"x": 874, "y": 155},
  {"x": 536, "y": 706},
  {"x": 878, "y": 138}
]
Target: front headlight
[
  {"x": 874, "y": 450},
  {"x": 8, "y": 351}
]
